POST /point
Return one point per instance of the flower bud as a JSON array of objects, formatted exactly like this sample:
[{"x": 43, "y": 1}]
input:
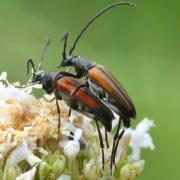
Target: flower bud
[
  {"x": 52, "y": 167},
  {"x": 131, "y": 170},
  {"x": 91, "y": 170}
]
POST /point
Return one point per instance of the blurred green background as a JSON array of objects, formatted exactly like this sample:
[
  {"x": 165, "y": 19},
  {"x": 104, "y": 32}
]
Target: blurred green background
[{"x": 140, "y": 45}]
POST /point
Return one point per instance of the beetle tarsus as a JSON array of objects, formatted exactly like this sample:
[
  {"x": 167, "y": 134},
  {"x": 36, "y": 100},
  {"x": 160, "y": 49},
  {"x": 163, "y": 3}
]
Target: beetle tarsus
[
  {"x": 101, "y": 143},
  {"x": 69, "y": 113},
  {"x": 117, "y": 142},
  {"x": 114, "y": 143},
  {"x": 59, "y": 115},
  {"x": 106, "y": 138}
]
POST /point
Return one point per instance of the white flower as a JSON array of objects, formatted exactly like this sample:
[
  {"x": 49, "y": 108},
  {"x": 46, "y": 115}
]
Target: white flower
[
  {"x": 10, "y": 92},
  {"x": 141, "y": 138},
  {"x": 72, "y": 147},
  {"x": 22, "y": 152},
  {"x": 29, "y": 175}
]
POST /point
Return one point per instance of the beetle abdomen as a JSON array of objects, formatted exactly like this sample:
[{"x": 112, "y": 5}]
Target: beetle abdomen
[
  {"x": 86, "y": 101},
  {"x": 104, "y": 79}
]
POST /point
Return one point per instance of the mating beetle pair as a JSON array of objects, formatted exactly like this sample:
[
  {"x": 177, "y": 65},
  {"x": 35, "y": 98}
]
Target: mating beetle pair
[{"x": 98, "y": 97}]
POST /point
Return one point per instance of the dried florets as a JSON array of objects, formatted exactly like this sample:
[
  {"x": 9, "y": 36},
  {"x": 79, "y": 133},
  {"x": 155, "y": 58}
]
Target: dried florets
[{"x": 31, "y": 146}]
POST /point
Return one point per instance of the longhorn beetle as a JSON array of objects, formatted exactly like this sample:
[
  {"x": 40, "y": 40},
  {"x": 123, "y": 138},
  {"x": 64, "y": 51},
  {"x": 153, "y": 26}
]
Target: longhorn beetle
[
  {"x": 64, "y": 88},
  {"x": 102, "y": 83}
]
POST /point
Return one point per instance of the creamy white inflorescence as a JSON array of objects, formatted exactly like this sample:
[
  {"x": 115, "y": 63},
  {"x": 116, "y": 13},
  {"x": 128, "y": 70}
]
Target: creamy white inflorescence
[
  {"x": 26, "y": 121},
  {"x": 140, "y": 138}
]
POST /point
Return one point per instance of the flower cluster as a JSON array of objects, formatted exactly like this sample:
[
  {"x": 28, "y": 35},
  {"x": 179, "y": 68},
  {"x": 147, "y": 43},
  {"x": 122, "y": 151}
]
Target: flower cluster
[{"x": 31, "y": 148}]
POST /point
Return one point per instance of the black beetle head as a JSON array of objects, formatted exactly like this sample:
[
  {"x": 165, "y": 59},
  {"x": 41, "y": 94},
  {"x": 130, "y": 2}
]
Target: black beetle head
[
  {"x": 46, "y": 79},
  {"x": 68, "y": 61}
]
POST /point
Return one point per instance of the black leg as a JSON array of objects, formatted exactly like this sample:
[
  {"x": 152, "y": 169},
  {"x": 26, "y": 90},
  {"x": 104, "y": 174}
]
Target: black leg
[
  {"x": 59, "y": 115},
  {"x": 74, "y": 91},
  {"x": 106, "y": 138},
  {"x": 117, "y": 142},
  {"x": 114, "y": 143},
  {"x": 51, "y": 100},
  {"x": 69, "y": 114},
  {"x": 101, "y": 142},
  {"x": 65, "y": 73}
]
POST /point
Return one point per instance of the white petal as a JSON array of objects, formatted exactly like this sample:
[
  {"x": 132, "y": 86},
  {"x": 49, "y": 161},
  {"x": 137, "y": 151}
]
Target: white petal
[
  {"x": 22, "y": 152},
  {"x": 32, "y": 159},
  {"x": 29, "y": 175},
  {"x": 141, "y": 138},
  {"x": 69, "y": 127},
  {"x": 137, "y": 137},
  {"x": 147, "y": 142},
  {"x": 145, "y": 125},
  {"x": 63, "y": 143},
  {"x": 71, "y": 149},
  {"x": 16, "y": 94},
  {"x": 136, "y": 151},
  {"x": 3, "y": 76},
  {"x": 77, "y": 134}
]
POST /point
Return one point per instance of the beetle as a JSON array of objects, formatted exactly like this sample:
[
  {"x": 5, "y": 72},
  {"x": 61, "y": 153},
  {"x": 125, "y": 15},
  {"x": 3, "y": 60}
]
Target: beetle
[
  {"x": 101, "y": 82},
  {"x": 64, "y": 88}
]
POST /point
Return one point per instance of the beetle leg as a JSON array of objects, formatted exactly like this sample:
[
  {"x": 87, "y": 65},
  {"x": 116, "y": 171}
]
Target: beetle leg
[
  {"x": 65, "y": 73},
  {"x": 59, "y": 113},
  {"x": 114, "y": 143},
  {"x": 117, "y": 142},
  {"x": 69, "y": 114},
  {"x": 106, "y": 138},
  {"x": 51, "y": 100},
  {"x": 73, "y": 93},
  {"x": 101, "y": 142}
]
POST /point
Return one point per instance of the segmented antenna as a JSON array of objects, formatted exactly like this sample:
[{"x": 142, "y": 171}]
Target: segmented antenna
[
  {"x": 30, "y": 62},
  {"x": 64, "y": 38},
  {"x": 43, "y": 54},
  {"x": 94, "y": 18}
]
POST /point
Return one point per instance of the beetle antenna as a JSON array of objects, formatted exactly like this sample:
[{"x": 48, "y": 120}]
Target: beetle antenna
[
  {"x": 30, "y": 62},
  {"x": 94, "y": 18},
  {"x": 43, "y": 54},
  {"x": 64, "y": 38}
]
